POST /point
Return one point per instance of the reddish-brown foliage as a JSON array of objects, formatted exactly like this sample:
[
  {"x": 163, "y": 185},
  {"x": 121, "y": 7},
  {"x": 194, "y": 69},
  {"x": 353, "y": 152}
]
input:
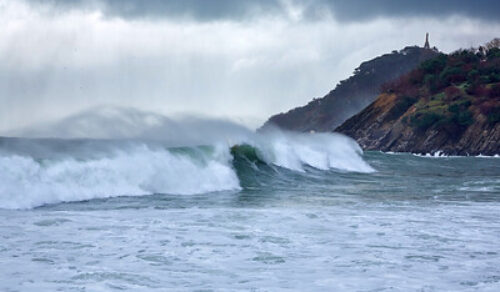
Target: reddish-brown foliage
[
  {"x": 487, "y": 107},
  {"x": 495, "y": 91},
  {"x": 406, "y": 85},
  {"x": 452, "y": 92},
  {"x": 478, "y": 90}
]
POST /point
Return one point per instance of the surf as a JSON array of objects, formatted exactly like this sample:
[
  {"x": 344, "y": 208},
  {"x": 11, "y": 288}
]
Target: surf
[
  {"x": 114, "y": 152},
  {"x": 36, "y": 172}
]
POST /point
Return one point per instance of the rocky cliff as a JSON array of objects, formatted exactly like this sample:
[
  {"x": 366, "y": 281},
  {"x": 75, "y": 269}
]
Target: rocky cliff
[
  {"x": 353, "y": 94},
  {"x": 450, "y": 103}
]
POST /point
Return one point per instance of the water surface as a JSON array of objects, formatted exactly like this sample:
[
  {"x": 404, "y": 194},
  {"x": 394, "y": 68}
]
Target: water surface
[{"x": 415, "y": 224}]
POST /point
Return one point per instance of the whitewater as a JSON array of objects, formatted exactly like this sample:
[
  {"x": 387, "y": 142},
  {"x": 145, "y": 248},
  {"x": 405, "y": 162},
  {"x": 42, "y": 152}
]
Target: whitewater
[
  {"x": 35, "y": 172},
  {"x": 229, "y": 209}
]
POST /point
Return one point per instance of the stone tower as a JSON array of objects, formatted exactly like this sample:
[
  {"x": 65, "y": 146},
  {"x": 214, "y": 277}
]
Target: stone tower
[{"x": 427, "y": 46}]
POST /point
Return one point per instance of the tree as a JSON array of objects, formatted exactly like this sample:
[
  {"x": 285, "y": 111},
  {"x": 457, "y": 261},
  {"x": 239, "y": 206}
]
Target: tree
[
  {"x": 495, "y": 91},
  {"x": 452, "y": 92},
  {"x": 494, "y": 43}
]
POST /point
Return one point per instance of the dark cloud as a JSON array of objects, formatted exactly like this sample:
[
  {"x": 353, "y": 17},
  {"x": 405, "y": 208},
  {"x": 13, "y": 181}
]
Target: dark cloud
[
  {"x": 198, "y": 9},
  {"x": 356, "y": 10},
  {"x": 343, "y": 10},
  {"x": 202, "y": 10}
]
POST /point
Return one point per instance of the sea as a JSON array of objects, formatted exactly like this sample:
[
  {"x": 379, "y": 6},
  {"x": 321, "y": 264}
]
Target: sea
[{"x": 278, "y": 212}]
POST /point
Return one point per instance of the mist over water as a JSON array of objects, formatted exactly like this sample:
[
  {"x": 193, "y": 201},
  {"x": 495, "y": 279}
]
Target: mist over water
[
  {"x": 111, "y": 152},
  {"x": 111, "y": 122}
]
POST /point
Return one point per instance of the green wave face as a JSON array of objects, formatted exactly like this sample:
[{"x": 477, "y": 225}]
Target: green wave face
[
  {"x": 247, "y": 152},
  {"x": 250, "y": 167},
  {"x": 51, "y": 171}
]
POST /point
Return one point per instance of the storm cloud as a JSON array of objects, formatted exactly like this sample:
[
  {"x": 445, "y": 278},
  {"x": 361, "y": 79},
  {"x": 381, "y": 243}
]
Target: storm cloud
[
  {"x": 342, "y": 10},
  {"x": 361, "y": 10},
  {"x": 241, "y": 60},
  {"x": 201, "y": 10}
]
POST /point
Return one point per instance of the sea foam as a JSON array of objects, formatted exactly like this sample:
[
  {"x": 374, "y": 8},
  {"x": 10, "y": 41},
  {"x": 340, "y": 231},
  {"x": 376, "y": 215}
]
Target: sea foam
[
  {"x": 27, "y": 183},
  {"x": 36, "y": 172},
  {"x": 320, "y": 150}
]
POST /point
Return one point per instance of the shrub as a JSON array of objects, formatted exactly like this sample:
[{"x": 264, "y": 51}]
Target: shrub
[
  {"x": 434, "y": 65},
  {"x": 452, "y": 74},
  {"x": 477, "y": 90},
  {"x": 465, "y": 104},
  {"x": 464, "y": 118},
  {"x": 401, "y": 106},
  {"x": 472, "y": 75},
  {"x": 471, "y": 88},
  {"x": 415, "y": 77},
  {"x": 491, "y": 110},
  {"x": 452, "y": 92},
  {"x": 484, "y": 79},
  {"x": 495, "y": 91},
  {"x": 487, "y": 107},
  {"x": 460, "y": 114},
  {"x": 423, "y": 121},
  {"x": 469, "y": 57},
  {"x": 494, "y": 115},
  {"x": 431, "y": 81},
  {"x": 493, "y": 53},
  {"x": 493, "y": 44},
  {"x": 454, "y": 108},
  {"x": 494, "y": 77}
]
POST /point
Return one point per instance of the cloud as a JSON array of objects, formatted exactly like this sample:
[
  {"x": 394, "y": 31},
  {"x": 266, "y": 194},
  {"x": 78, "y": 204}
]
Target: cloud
[
  {"x": 361, "y": 10},
  {"x": 342, "y": 10},
  {"x": 57, "y": 64},
  {"x": 201, "y": 10}
]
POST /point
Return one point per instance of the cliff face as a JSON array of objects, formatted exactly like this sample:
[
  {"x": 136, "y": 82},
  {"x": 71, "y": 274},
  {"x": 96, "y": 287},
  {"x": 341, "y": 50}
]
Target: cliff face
[
  {"x": 449, "y": 104},
  {"x": 353, "y": 94}
]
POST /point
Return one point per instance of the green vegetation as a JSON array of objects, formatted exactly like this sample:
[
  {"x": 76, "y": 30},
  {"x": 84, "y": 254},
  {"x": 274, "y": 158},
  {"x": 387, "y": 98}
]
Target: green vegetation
[
  {"x": 494, "y": 116},
  {"x": 448, "y": 91},
  {"x": 454, "y": 117},
  {"x": 422, "y": 121},
  {"x": 401, "y": 106}
]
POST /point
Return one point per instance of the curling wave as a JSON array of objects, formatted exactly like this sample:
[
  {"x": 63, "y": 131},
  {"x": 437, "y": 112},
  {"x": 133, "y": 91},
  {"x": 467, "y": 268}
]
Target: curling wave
[{"x": 35, "y": 172}]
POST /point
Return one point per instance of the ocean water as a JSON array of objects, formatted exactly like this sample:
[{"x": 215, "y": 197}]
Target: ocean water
[{"x": 280, "y": 213}]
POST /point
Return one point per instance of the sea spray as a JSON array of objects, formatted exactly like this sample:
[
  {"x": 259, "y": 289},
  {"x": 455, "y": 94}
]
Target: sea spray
[
  {"x": 109, "y": 122},
  {"x": 139, "y": 170},
  {"x": 319, "y": 150},
  {"x": 74, "y": 170},
  {"x": 124, "y": 152}
]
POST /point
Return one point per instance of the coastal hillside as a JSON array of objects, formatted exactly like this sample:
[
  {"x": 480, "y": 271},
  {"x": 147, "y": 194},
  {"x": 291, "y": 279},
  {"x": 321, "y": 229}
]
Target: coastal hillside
[
  {"x": 450, "y": 103},
  {"x": 353, "y": 94}
]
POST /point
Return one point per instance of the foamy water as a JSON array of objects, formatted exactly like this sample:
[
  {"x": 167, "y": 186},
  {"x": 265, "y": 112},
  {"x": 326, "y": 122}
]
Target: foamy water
[
  {"x": 36, "y": 172},
  {"x": 311, "y": 215}
]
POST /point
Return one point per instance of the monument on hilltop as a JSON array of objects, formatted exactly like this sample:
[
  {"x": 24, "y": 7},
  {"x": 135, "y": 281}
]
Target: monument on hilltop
[{"x": 427, "y": 46}]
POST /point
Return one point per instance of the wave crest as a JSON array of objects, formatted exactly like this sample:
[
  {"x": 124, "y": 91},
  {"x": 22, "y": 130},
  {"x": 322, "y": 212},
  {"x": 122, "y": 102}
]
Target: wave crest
[
  {"x": 39, "y": 172},
  {"x": 27, "y": 183}
]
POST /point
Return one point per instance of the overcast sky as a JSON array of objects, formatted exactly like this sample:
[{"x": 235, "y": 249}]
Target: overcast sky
[{"x": 243, "y": 60}]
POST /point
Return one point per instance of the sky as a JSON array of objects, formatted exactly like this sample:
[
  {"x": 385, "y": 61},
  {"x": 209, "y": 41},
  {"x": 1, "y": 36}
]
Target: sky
[{"x": 239, "y": 60}]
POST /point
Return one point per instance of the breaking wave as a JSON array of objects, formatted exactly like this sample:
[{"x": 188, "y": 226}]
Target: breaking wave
[{"x": 35, "y": 172}]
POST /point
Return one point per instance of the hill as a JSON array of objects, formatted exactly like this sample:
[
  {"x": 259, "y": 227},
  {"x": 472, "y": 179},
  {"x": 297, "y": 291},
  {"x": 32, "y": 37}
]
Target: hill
[
  {"x": 353, "y": 94},
  {"x": 450, "y": 103}
]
